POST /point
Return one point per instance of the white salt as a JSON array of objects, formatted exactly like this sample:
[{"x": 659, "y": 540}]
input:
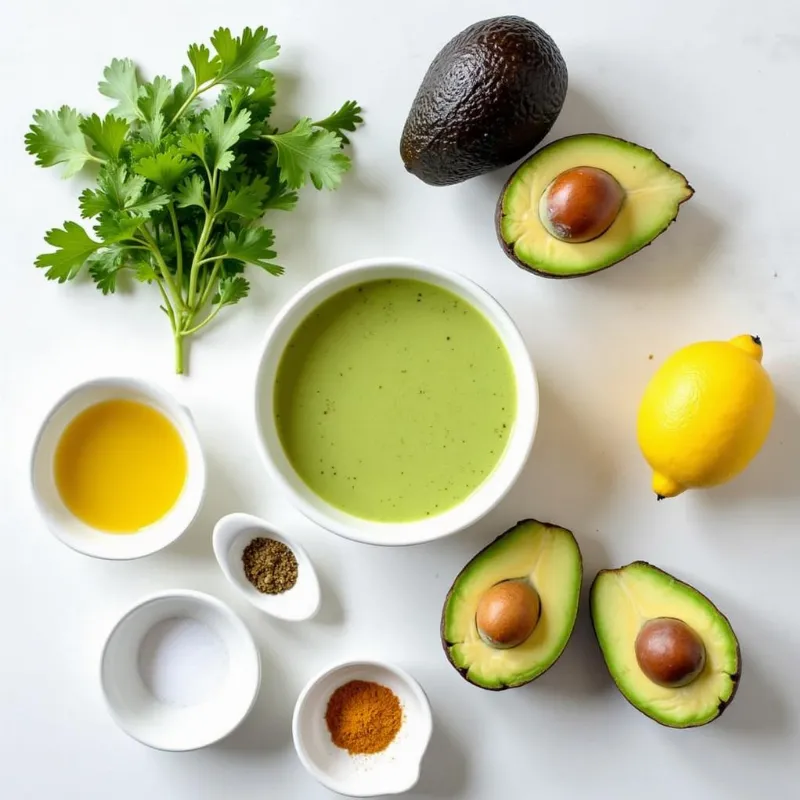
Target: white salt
[{"x": 182, "y": 661}]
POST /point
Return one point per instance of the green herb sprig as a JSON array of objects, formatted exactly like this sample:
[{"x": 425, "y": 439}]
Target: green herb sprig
[{"x": 181, "y": 187}]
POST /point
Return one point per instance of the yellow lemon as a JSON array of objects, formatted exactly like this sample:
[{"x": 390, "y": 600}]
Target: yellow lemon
[{"x": 705, "y": 414}]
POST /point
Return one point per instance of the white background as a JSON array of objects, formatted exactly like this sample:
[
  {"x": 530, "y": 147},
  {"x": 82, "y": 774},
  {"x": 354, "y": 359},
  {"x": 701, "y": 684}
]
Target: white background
[{"x": 712, "y": 86}]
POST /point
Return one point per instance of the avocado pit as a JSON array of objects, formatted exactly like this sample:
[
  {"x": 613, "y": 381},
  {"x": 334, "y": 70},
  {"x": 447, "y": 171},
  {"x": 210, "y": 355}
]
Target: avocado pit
[
  {"x": 581, "y": 204},
  {"x": 507, "y": 613},
  {"x": 669, "y": 652}
]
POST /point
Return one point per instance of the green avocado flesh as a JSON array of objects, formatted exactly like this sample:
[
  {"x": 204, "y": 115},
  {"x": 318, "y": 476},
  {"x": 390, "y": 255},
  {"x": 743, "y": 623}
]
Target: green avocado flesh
[
  {"x": 394, "y": 400},
  {"x": 622, "y": 600},
  {"x": 653, "y": 195},
  {"x": 546, "y": 556}
]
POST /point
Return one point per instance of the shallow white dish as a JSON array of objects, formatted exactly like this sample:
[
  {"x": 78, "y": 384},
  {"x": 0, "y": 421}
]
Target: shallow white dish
[
  {"x": 73, "y": 532},
  {"x": 393, "y": 771},
  {"x": 486, "y": 496},
  {"x": 232, "y": 534},
  {"x": 166, "y": 726}
]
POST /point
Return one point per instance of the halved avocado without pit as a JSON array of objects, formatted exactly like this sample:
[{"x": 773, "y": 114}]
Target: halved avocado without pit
[
  {"x": 510, "y": 612},
  {"x": 669, "y": 649},
  {"x": 586, "y": 202}
]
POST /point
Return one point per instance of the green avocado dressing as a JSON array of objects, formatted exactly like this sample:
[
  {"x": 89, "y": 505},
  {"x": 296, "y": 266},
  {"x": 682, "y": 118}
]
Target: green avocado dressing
[{"x": 394, "y": 400}]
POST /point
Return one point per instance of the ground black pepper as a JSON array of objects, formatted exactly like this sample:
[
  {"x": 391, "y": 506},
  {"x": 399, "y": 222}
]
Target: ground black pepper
[{"x": 269, "y": 565}]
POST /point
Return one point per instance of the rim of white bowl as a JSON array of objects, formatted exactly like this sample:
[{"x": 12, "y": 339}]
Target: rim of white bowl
[
  {"x": 297, "y": 737},
  {"x": 486, "y": 496},
  {"x": 231, "y": 618},
  {"x": 82, "y": 538}
]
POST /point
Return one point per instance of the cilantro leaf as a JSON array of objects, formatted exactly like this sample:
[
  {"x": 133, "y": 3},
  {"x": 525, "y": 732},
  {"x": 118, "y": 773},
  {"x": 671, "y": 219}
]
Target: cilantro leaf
[
  {"x": 305, "y": 153},
  {"x": 93, "y": 203},
  {"x": 191, "y": 192},
  {"x": 253, "y": 246},
  {"x": 345, "y": 119},
  {"x": 247, "y": 200},
  {"x": 122, "y": 84},
  {"x": 231, "y": 290},
  {"x": 144, "y": 270},
  {"x": 107, "y": 135},
  {"x": 73, "y": 247},
  {"x": 55, "y": 137},
  {"x": 104, "y": 265},
  {"x": 262, "y": 98},
  {"x": 165, "y": 169},
  {"x": 240, "y": 56},
  {"x": 195, "y": 144},
  {"x": 154, "y": 96},
  {"x": 120, "y": 191},
  {"x": 118, "y": 227},
  {"x": 224, "y": 133},
  {"x": 205, "y": 68},
  {"x": 259, "y": 98},
  {"x": 152, "y": 130},
  {"x": 180, "y": 95},
  {"x": 120, "y": 188},
  {"x": 148, "y": 202},
  {"x": 280, "y": 199}
]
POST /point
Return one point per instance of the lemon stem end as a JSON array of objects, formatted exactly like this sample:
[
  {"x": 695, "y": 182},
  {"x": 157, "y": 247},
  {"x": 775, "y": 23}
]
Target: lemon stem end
[
  {"x": 750, "y": 345},
  {"x": 665, "y": 487}
]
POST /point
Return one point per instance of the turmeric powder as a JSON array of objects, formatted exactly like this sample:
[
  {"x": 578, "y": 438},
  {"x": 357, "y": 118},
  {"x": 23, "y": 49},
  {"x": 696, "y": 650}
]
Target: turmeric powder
[{"x": 363, "y": 717}]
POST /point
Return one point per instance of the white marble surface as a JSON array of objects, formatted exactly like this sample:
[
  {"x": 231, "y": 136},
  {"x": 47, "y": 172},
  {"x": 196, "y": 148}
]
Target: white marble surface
[{"x": 712, "y": 87}]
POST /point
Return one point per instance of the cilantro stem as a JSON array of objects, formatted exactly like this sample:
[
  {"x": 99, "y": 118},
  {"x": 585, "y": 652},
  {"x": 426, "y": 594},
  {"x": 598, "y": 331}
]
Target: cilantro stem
[
  {"x": 167, "y": 304},
  {"x": 202, "y": 242},
  {"x": 179, "y": 352},
  {"x": 176, "y": 333},
  {"x": 196, "y": 92},
  {"x": 178, "y": 246},
  {"x": 205, "y": 322},
  {"x": 214, "y": 258},
  {"x": 196, "y": 261},
  {"x": 177, "y": 300},
  {"x": 209, "y": 286}
]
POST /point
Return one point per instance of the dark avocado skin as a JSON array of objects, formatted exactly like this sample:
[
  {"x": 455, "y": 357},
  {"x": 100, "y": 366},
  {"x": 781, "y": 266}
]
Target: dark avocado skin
[
  {"x": 489, "y": 97},
  {"x": 447, "y": 645},
  {"x": 736, "y": 678},
  {"x": 508, "y": 249}
]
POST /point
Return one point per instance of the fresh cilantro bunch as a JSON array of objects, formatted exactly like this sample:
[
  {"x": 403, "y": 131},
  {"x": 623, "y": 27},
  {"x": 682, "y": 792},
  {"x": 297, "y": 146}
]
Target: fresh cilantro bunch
[{"x": 181, "y": 188}]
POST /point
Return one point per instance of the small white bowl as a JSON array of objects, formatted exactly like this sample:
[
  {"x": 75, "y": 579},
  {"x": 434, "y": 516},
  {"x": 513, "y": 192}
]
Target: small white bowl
[
  {"x": 78, "y": 535},
  {"x": 486, "y": 496},
  {"x": 232, "y": 534},
  {"x": 396, "y": 769},
  {"x": 178, "y": 727}
]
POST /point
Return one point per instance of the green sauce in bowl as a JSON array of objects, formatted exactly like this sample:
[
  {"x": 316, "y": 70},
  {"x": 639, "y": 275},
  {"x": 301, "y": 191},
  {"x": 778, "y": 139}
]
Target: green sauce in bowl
[{"x": 394, "y": 400}]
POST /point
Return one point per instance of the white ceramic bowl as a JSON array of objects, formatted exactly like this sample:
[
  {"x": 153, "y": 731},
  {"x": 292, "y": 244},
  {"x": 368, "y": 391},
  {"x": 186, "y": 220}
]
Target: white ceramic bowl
[
  {"x": 164, "y": 725},
  {"x": 486, "y": 496},
  {"x": 232, "y": 534},
  {"x": 393, "y": 771},
  {"x": 75, "y": 533}
]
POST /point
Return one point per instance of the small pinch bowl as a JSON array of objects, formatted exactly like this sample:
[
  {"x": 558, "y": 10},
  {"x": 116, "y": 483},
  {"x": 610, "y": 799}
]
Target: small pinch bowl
[
  {"x": 76, "y": 534},
  {"x": 232, "y": 534},
  {"x": 178, "y": 728},
  {"x": 486, "y": 496},
  {"x": 396, "y": 769}
]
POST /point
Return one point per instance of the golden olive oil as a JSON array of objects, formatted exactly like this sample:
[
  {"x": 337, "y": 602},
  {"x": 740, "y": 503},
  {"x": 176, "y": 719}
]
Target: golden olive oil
[{"x": 120, "y": 466}]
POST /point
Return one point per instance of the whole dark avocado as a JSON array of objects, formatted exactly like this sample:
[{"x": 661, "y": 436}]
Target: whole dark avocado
[{"x": 489, "y": 97}]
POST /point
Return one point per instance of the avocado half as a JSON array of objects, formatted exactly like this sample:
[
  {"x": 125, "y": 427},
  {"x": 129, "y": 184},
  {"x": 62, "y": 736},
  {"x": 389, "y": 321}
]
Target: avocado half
[
  {"x": 622, "y": 601},
  {"x": 546, "y": 557},
  {"x": 652, "y": 193},
  {"x": 488, "y": 98}
]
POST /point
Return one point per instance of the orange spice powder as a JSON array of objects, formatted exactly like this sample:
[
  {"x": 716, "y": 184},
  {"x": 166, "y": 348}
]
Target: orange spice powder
[{"x": 363, "y": 717}]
